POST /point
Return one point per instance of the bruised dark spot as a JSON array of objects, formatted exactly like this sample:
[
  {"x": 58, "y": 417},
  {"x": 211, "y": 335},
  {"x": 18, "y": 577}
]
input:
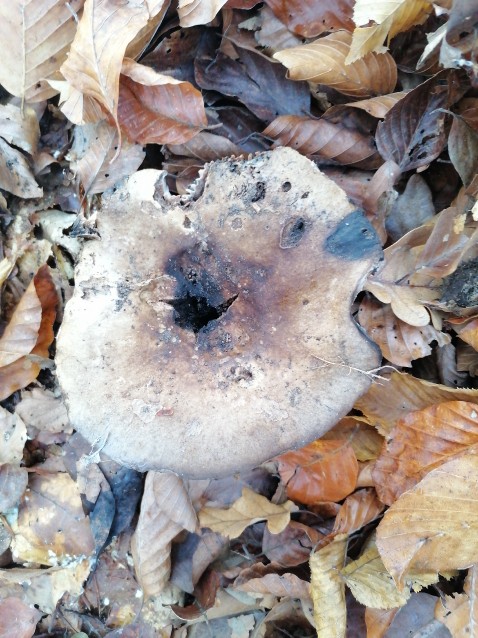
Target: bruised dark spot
[{"x": 353, "y": 238}]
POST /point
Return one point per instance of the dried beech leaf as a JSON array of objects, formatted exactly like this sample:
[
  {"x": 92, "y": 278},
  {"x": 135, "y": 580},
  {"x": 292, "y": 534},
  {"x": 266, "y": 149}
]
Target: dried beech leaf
[
  {"x": 421, "y": 441},
  {"x": 469, "y": 334},
  {"x": 413, "y": 131},
  {"x": 358, "y": 510},
  {"x": 94, "y": 60},
  {"x": 17, "y": 619},
  {"x": 250, "y": 508},
  {"x": 323, "y": 471},
  {"x": 36, "y": 39},
  {"x": 323, "y": 61},
  {"x": 370, "y": 582},
  {"x": 13, "y": 482},
  {"x": 21, "y": 333},
  {"x": 399, "y": 342},
  {"x": 280, "y": 586},
  {"x": 391, "y": 17},
  {"x": 327, "y": 588},
  {"x": 61, "y": 532},
  {"x": 20, "y": 127},
  {"x": 411, "y": 209},
  {"x": 328, "y": 140},
  {"x": 155, "y": 108},
  {"x": 463, "y": 149},
  {"x": 192, "y": 12},
  {"x": 363, "y": 437},
  {"x": 43, "y": 410},
  {"x": 460, "y": 612},
  {"x": 46, "y": 291},
  {"x": 157, "y": 11},
  {"x": 166, "y": 510},
  {"x": 310, "y": 18},
  {"x": 207, "y": 147},
  {"x": 273, "y": 33},
  {"x": 379, "y": 106},
  {"x": 95, "y": 158},
  {"x": 433, "y": 527},
  {"x": 384, "y": 404},
  {"x": 292, "y": 546},
  {"x": 378, "y": 621},
  {"x": 15, "y": 173}
]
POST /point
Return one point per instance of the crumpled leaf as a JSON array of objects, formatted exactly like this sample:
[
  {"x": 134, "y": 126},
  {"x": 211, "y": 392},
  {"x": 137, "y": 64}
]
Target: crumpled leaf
[
  {"x": 155, "y": 108},
  {"x": 16, "y": 174},
  {"x": 166, "y": 510},
  {"x": 463, "y": 149},
  {"x": 250, "y": 508},
  {"x": 420, "y": 442},
  {"x": 192, "y": 12},
  {"x": 391, "y": 17},
  {"x": 95, "y": 158},
  {"x": 324, "y": 470},
  {"x": 310, "y": 18},
  {"x": 399, "y": 342},
  {"x": 359, "y": 509},
  {"x": 17, "y": 619},
  {"x": 93, "y": 66},
  {"x": 13, "y": 482},
  {"x": 292, "y": 546},
  {"x": 36, "y": 40},
  {"x": 20, "y": 127},
  {"x": 363, "y": 437},
  {"x": 328, "y": 589},
  {"x": 324, "y": 62},
  {"x": 13, "y": 435},
  {"x": 62, "y": 531},
  {"x": 43, "y": 410},
  {"x": 370, "y": 582},
  {"x": 460, "y": 612},
  {"x": 433, "y": 527},
  {"x": 379, "y": 106},
  {"x": 280, "y": 586}
]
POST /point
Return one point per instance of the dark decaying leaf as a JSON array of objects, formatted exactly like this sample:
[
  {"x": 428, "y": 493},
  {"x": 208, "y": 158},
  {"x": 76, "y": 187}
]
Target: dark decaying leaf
[
  {"x": 257, "y": 82},
  {"x": 175, "y": 54},
  {"x": 413, "y": 131},
  {"x": 292, "y": 546},
  {"x": 205, "y": 595},
  {"x": 310, "y": 18},
  {"x": 17, "y": 618}
]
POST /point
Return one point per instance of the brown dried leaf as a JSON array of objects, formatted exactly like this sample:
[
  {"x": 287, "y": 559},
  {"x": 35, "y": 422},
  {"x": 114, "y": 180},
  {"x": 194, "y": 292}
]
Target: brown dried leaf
[
  {"x": 273, "y": 33},
  {"x": 95, "y": 158},
  {"x": 324, "y": 470},
  {"x": 207, "y": 147},
  {"x": 460, "y": 612},
  {"x": 13, "y": 435},
  {"x": 328, "y": 140},
  {"x": 20, "y": 127},
  {"x": 358, "y": 510},
  {"x": 94, "y": 60},
  {"x": 21, "y": 333},
  {"x": 17, "y": 619},
  {"x": 378, "y": 621},
  {"x": 15, "y": 173},
  {"x": 13, "y": 482},
  {"x": 413, "y": 131},
  {"x": 469, "y": 333},
  {"x": 323, "y": 61},
  {"x": 281, "y": 586},
  {"x": 36, "y": 40},
  {"x": 379, "y": 106},
  {"x": 463, "y": 149},
  {"x": 384, "y": 404},
  {"x": 192, "y": 12},
  {"x": 166, "y": 510},
  {"x": 292, "y": 546},
  {"x": 250, "y": 508},
  {"x": 364, "y": 438},
  {"x": 328, "y": 589},
  {"x": 420, "y": 442},
  {"x": 433, "y": 527},
  {"x": 391, "y": 18},
  {"x": 310, "y": 18},
  {"x": 155, "y": 108},
  {"x": 43, "y": 410},
  {"x": 399, "y": 342}
]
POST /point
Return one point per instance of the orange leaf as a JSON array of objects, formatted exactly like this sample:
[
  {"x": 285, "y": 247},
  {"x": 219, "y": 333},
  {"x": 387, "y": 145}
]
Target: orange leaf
[
  {"x": 320, "y": 471},
  {"x": 310, "y": 18},
  {"x": 46, "y": 291},
  {"x": 358, "y": 510},
  {"x": 421, "y": 441}
]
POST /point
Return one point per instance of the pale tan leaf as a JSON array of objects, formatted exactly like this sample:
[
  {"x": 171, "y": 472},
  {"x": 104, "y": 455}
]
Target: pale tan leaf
[
  {"x": 13, "y": 482},
  {"x": 387, "y": 402},
  {"x": 13, "y": 435},
  {"x": 324, "y": 62},
  {"x": 379, "y": 106},
  {"x": 364, "y": 438},
  {"x": 327, "y": 588},
  {"x": 370, "y": 582},
  {"x": 192, "y": 12},
  {"x": 166, "y": 510},
  {"x": 399, "y": 342},
  {"x": 157, "y": 10},
  {"x": 460, "y": 612},
  {"x": 45, "y": 587},
  {"x": 17, "y": 619},
  {"x": 433, "y": 527},
  {"x": 378, "y": 621},
  {"x": 15, "y": 174},
  {"x": 391, "y": 17},
  {"x": 61, "y": 532},
  {"x": 280, "y": 586},
  {"x": 250, "y": 508},
  {"x": 36, "y": 37},
  {"x": 21, "y": 334},
  {"x": 469, "y": 333},
  {"x": 77, "y": 107},
  {"x": 94, "y": 147},
  {"x": 94, "y": 61},
  {"x": 407, "y": 303},
  {"x": 20, "y": 127},
  {"x": 43, "y": 410}
]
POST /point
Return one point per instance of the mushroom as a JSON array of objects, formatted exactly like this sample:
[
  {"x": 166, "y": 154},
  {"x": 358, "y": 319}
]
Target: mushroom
[{"x": 210, "y": 332}]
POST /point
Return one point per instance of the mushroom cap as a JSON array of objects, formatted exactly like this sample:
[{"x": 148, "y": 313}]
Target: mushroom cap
[{"x": 211, "y": 332}]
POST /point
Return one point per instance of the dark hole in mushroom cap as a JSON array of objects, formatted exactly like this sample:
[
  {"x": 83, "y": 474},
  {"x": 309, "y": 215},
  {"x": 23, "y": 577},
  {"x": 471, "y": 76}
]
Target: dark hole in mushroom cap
[
  {"x": 195, "y": 312},
  {"x": 293, "y": 231}
]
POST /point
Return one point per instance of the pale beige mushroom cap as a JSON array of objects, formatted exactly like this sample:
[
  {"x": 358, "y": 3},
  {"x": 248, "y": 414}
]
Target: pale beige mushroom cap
[{"x": 199, "y": 331}]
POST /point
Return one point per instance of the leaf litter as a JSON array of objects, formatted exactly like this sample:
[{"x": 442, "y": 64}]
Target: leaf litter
[{"x": 353, "y": 525}]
